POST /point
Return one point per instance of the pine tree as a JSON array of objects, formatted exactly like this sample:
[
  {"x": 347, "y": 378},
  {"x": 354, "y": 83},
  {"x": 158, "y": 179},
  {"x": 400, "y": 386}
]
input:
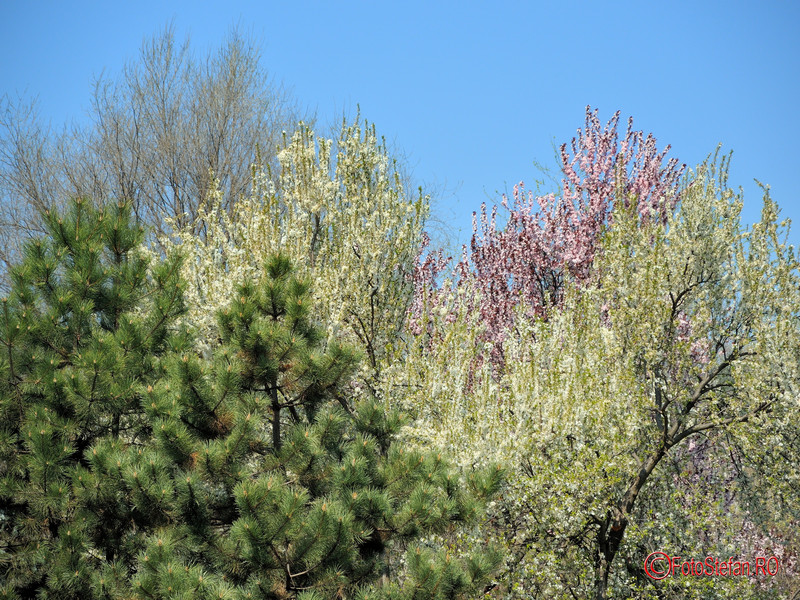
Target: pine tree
[
  {"x": 86, "y": 323},
  {"x": 132, "y": 466},
  {"x": 282, "y": 484}
]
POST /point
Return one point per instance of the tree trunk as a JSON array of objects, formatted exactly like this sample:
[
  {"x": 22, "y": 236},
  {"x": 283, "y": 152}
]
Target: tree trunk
[
  {"x": 276, "y": 418},
  {"x": 612, "y": 530}
]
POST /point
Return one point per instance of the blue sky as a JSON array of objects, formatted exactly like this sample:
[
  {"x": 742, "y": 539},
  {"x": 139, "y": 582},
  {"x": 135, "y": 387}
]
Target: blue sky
[{"x": 473, "y": 93}]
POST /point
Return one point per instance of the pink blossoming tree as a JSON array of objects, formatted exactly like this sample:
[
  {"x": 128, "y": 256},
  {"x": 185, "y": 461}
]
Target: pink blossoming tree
[
  {"x": 592, "y": 343},
  {"x": 549, "y": 239}
]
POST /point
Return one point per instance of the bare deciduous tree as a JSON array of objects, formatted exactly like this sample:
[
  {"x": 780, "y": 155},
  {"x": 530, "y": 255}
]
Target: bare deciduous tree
[{"x": 157, "y": 133}]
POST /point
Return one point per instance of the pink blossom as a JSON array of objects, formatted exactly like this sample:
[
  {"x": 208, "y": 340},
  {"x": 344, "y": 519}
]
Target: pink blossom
[{"x": 549, "y": 241}]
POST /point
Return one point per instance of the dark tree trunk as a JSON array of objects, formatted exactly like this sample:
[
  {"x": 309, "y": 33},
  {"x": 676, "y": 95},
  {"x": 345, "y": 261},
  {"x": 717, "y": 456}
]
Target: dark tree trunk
[
  {"x": 611, "y": 531},
  {"x": 276, "y": 418}
]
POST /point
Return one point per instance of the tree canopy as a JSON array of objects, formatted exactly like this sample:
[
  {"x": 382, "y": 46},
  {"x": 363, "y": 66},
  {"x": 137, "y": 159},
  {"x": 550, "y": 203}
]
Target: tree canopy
[
  {"x": 132, "y": 466},
  {"x": 232, "y": 366},
  {"x": 627, "y": 355}
]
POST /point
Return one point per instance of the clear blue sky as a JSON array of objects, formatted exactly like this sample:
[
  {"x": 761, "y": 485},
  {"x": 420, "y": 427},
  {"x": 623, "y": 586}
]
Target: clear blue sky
[{"x": 473, "y": 93}]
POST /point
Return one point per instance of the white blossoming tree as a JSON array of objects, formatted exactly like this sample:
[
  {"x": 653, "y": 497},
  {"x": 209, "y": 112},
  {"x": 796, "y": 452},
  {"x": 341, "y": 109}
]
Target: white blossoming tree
[
  {"x": 655, "y": 409},
  {"x": 340, "y": 211}
]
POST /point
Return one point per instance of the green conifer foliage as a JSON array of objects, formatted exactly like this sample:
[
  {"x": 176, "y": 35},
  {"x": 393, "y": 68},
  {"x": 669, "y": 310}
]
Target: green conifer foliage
[
  {"x": 85, "y": 324},
  {"x": 132, "y": 467},
  {"x": 270, "y": 329}
]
